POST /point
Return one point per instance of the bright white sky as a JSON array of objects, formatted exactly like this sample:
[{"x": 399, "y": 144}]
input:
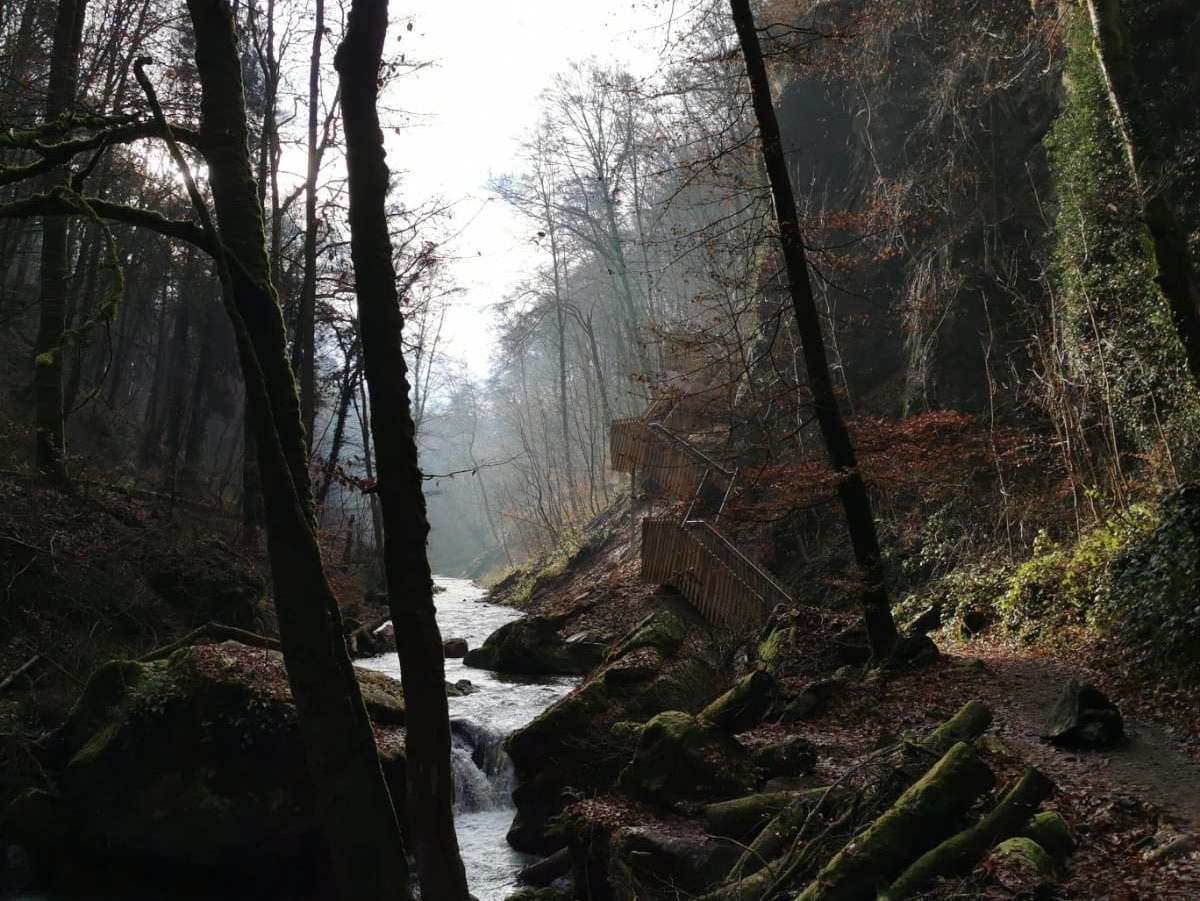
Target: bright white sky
[{"x": 491, "y": 60}]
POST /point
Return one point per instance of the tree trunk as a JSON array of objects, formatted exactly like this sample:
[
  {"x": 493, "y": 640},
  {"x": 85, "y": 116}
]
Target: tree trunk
[
  {"x": 50, "y": 449},
  {"x": 150, "y": 445},
  {"x": 345, "y": 397},
  {"x": 410, "y": 583},
  {"x": 178, "y": 393},
  {"x": 84, "y": 301},
  {"x": 860, "y": 521},
  {"x": 198, "y": 404},
  {"x": 304, "y": 341},
  {"x": 561, "y": 341},
  {"x": 351, "y": 796},
  {"x": 251, "y": 486}
]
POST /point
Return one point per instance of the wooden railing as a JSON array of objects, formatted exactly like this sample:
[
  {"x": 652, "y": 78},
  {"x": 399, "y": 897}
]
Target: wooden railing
[
  {"x": 634, "y": 444},
  {"x": 713, "y": 575},
  {"x": 682, "y": 356},
  {"x": 753, "y": 577},
  {"x": 627, "y": 444},
  {"x": 692, "y": 556}
]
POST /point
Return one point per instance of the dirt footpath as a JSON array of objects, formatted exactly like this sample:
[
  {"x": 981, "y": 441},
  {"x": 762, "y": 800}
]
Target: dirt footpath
[{"x": 1136, "y": 808}]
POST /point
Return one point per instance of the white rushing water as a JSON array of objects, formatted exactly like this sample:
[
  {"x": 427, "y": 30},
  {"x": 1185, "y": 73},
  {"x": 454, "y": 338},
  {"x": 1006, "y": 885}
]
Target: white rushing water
[{"x": 480, "y": 721}]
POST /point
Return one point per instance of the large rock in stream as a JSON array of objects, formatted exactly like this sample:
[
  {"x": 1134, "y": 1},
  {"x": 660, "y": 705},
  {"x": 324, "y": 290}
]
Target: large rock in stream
[
  {"x": 531, "y": 646},
  {"x": 189, "y": 768}
]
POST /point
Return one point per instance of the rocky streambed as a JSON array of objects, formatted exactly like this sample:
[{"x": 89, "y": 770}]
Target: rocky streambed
[{"x": 685, "y": 763}]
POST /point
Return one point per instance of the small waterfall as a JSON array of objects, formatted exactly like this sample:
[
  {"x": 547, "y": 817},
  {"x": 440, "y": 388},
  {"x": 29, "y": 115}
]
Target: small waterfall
[
  {"x": 483, "y": 774},
  {"x": 480, "y": 721}
]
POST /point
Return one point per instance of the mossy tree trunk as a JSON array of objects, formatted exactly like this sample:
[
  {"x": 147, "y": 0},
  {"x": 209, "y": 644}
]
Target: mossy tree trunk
[
  {"x": 1177, "y": 277},
  {"x": 852, "y": 491},
  {"x": 351, "y": 795},
  {"x": 405, "y": 526},
  {"x": 49, "y": 416},
  {"x": 960, "y": 853}
]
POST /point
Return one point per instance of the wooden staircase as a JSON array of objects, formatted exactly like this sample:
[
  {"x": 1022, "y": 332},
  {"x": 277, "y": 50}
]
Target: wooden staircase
[
  {"x": 691, "y": 555},
  {"x": 703, "y": 566}
]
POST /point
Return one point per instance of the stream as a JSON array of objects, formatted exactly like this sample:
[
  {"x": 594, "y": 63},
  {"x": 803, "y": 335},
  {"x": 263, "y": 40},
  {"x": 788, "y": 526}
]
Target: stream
[{"x": 480, "y": 721}]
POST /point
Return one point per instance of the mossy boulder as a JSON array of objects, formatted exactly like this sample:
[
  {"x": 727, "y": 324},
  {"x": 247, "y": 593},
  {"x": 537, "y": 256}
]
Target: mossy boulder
[
  {"x": 1051, "y": 831},
  {"x": 662, "y": 630},
  {"x": 531, "y": 646},
  {"x": 583, "y": 741},
  {"x": 192, "y": 765},
  {"x": 644, "y": 863},
  {"x": 791, "y": 756},
  {"x": 681, "y": 757},
  {"x": 1023, "y": 867},
  {"x": 812, "y": 700}
]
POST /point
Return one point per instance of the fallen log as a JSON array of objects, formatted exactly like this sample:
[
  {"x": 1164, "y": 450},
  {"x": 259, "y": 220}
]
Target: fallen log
[
  {"x": 786, "y": 825},
  {"x": 960, "y": 853},
  {"x": 744, "y": 705},
  {"x": 774, "y": 874},
  {"x": 968, "y": 723},
  {"x": 743, "y": 818},
  {"x": 213, "y": 632},
  {"x": 923, "y": 815}
]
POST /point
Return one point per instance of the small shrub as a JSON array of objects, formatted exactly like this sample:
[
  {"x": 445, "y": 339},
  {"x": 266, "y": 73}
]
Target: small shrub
[
  {"x": 1062, "y": 582},
  {"x": 1059, "y": 583}
]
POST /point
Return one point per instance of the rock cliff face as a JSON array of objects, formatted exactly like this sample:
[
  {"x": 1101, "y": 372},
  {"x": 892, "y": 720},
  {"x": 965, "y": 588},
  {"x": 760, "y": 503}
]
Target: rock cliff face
[
  {"x": 917, "y": 144},
  {"x": 916, "y": 147},
  {"x": 188, "y": 768}
]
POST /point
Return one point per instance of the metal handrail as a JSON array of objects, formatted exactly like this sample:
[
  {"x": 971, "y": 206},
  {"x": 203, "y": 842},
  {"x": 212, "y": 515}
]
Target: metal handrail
[
  {"x": 690, "y": 448},
  {"x": 730, "y": 547}
]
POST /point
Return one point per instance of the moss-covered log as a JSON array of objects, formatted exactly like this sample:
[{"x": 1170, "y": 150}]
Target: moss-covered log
[
  {"x": 764, "y": 883},
  {"x": 959, "y": 853},
  {"x": 213, "y": 633},
  {"x": 743, "y": 706},
  {"x": 970, "y": 722},
  {"x": 781, "y": 832},
  {"x": 742, "y": 818},
  {"x": 922, "y": 817}
]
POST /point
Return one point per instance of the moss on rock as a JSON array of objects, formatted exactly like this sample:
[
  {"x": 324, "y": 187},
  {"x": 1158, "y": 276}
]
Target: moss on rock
[
  {"x": 532, "y": 646},
  {"x": 191, "y": 762},
  {"x": 680, "y": 757},
  {"x": 662, "y": 630}
]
